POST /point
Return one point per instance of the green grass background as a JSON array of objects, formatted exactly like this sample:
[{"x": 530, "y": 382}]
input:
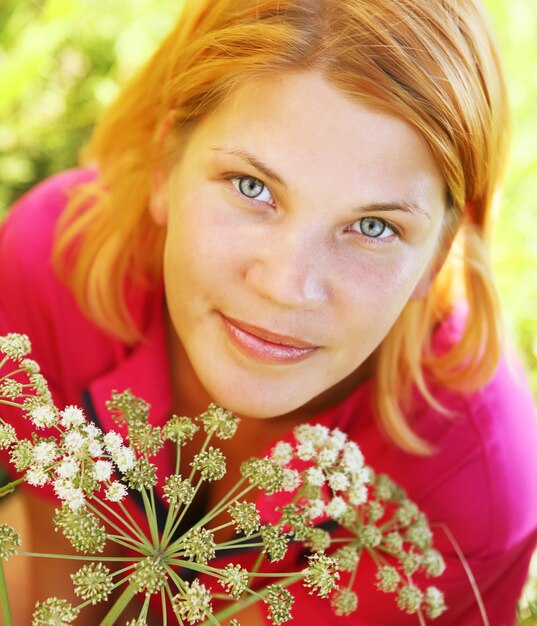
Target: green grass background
[{"x": 61, "y": 61}]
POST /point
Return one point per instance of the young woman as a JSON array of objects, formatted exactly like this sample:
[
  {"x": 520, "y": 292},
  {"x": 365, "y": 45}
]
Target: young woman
[{"x": 287, "y": 212}]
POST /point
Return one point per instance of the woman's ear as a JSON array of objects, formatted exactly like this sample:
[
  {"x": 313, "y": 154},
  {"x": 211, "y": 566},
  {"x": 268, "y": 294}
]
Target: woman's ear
[
  {"x": 158, "y": 197},
  {"x": 158, "y": 192}
]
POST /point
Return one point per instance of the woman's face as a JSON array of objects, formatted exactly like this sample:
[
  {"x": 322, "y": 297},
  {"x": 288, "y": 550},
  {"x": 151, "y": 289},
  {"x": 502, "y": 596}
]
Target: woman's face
[{"x": 299, "y": 224}]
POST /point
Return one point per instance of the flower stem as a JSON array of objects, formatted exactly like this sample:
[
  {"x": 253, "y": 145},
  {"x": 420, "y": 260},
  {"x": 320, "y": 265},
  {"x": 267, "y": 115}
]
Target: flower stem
[
  {"x": 10, "y": 487},
  {"x": 135, "y": 530},
  {"x": 119, "y": 606},
  {"x": 151, "y": 517},
  {"x": 4, "y": 597}
]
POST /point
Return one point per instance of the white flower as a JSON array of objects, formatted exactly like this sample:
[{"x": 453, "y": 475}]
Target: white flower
[
  {"x": 75, "y": 499},
  {"x": 113, "y": 441},
  {"x": 336, "y": 508},
  {"x": 282, "y": 453},
  {"x": 315, "y": 508},
  {"x": 337, "y": 439},
  {"x": 102, "y": 470},
  {"x": 353, "y": 459},
  {"x": 291, "y": 479},
  {"x": 71, "y": 417},
  {"x": 116, "y": 492},
  {"x": 338, "y": 481},
  {"x": 124, "y": 459},
  {"x": 74, "y": 441},
  {"x": 94, "y": 448},
  {"x": 306, "y": 451},
  {"x": 44, "y": 453},
  {"x": 92, "y": 431},
  {"x": 36, "y": 476},
  {"x": 357, "y": 494},
  {"x": 71, "y": 495},
  {"x": 43, "y": 416},
  {"x": 327, "y": 457},
  {"x": 62, "y": 488},
  {"x": 68, "y": 468},
  {"x": 315, "y": 434},
  {"x": 315, "y": 476}
]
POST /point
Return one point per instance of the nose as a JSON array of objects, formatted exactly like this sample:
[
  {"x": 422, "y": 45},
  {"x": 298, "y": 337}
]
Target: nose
[{"x": 288, "y": 269}]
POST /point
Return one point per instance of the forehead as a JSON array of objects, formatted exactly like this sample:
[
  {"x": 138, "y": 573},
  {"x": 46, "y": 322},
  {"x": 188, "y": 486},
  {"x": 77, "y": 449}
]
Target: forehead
[{"x": 304, "y": 127}]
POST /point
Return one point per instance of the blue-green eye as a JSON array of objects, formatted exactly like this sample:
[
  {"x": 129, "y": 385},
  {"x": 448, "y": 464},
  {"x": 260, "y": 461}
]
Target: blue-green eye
[
  {"x": 252, "y": 188},
  {"x": 374, "y": 227}
]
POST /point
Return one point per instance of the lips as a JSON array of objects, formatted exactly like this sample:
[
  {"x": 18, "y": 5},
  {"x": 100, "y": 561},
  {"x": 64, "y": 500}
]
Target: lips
[{"x": 265, "y": 345}]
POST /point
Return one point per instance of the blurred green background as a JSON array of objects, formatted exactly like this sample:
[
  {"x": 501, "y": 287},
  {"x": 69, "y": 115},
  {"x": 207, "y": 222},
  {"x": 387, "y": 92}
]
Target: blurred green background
[{"x": 61, "y": 61}]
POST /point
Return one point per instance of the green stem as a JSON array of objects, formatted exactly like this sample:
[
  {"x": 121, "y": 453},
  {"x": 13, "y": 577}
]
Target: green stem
[
  {"x": 4, "y": 597},
  {"x": 119, "y": 606},
  {"x": 170, "y": 596},
  {"x": 252, "y": 599},
  {"x": 172, "y": 547},
  {"x": 164, "y": 608},
  {"x": 151, "y": 518},
  {"x": 203, "y": 448},
  {"x": 74, "y": 557},
  {"x": 178, "y": 459},
  {"x": 225, "y": 501},
  {"x": 135, "y": 541},
  {"x": 10, "y": 487},
  {"x": 134, "y": 529}
]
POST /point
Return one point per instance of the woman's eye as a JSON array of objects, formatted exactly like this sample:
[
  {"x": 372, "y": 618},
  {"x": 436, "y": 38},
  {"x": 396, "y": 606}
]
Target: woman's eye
[
  {"x": 373, "y": 227},
  {"x": 252, "y": 188}
]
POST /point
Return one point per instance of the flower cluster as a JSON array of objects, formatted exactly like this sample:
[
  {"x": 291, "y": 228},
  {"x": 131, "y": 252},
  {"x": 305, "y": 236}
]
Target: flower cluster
[
  {"x": 378, "y": 519},
  {"x": 320, "y": 476}
]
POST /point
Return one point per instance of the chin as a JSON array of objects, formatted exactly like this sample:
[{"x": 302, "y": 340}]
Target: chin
[{"x": 257, "y": 408}]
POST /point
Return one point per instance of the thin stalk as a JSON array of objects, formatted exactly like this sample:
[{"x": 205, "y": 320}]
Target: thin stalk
[
  {"x": 164, "y": 608},
  {"x": 221, "y": 527},
  {"x": 136, "y": 531},
  {"x": 119, "y": 606},
  {"x": 4, "y": 597},
  {"x": 131, "y": 519},
  {"x": 468, "y": 571},
  {"x": 151, "y": 518},
  {"x": 145, "y": 607},
  {"x": 252, "y": 599},
  {"x": 137, "y": 541},
  {"x": 129, "y": 544},
  {"x": 170, "y": 596},
  {"x": 172, "y": 547},
  {"x": 203, "y": 448},
  {"x": 224, "y": 502},
  {"x": 173, "y": 509},
  {"x": 178, "y": 459},
  {"x": 75, "y": 557},
  {"x": 10, "y": 487}
]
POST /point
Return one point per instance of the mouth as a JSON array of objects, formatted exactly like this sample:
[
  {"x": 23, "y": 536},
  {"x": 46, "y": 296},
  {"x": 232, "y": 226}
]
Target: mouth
[{"x": 264, "y": 345}]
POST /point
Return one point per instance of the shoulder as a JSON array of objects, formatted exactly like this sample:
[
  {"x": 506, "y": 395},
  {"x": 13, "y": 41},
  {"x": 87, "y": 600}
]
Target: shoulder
[
  {"x": 68, "y": 346},
  {"x": 29, "y": 225},
  {"x": 26, "y": 235}
]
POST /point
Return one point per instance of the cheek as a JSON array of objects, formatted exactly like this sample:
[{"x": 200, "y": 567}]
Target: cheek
[
  {"x": 201, "y": 248},
  {"x": 382, "y": 284}
]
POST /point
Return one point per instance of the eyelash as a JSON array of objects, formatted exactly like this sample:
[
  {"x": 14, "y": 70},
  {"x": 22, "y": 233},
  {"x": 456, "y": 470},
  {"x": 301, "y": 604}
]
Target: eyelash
[{"x": 235, "y": 180}]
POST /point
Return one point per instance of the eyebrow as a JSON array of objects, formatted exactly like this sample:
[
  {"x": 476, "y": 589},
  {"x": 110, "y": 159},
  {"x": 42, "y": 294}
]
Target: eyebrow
[
  {"x": 405, "y": 207},
  {"x": 375, "y": 207},
  {"x": 252, "y": 160}
]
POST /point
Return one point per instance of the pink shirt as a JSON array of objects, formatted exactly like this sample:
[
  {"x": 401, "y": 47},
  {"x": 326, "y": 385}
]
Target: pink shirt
[{"x": 481, "y": 484}]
